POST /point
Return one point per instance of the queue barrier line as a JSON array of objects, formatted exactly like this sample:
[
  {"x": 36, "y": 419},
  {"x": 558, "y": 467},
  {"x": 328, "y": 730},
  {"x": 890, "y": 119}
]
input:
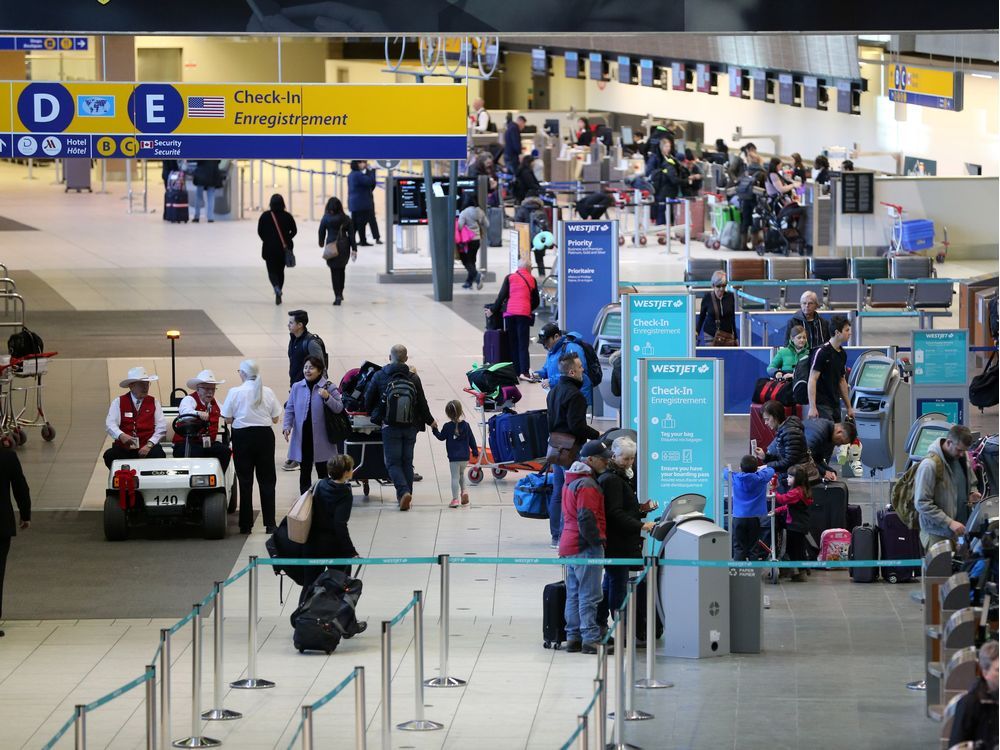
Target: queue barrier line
[
  {"x": 582, "y": 726},
  {"x": 329, "y": 696},
  {"x": 181, "y": 622},
  {"x": 621, "y": 610},
  {"x": 237, "y": 576},
  {"x": 59, "y": 735},
  {"x": 403, "y": 612}
]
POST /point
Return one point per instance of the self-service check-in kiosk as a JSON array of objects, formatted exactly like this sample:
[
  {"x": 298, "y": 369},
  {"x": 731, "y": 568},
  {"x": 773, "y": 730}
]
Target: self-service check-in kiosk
[
  {"x": 881, "y": 400},
  {"x": 694, "y": 601},
  {"x": 925, "y": 430}
]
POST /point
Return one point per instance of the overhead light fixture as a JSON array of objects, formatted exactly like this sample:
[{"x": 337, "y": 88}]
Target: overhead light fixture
[{"x": 981, "y": 75}]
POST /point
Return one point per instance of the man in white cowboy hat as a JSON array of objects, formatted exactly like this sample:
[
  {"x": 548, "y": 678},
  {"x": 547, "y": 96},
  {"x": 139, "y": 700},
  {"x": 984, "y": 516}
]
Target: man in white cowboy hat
[
  {"x": 135, "y": 420},
  {"x": 201, "y": 403}
]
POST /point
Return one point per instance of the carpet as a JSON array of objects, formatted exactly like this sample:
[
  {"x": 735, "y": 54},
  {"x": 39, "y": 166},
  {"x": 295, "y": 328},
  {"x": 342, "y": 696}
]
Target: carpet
[
  {"x": 63, "y": 569},
  {"x": 10, "y": 225}
]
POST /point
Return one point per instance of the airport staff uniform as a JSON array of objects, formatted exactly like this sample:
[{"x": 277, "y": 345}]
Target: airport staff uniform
[
  {"x": 11, "y": 479},
  {"x": 136, "y": 417},
  {"x": 206, "y": 443},
  {"x": 253, "y": 446}
]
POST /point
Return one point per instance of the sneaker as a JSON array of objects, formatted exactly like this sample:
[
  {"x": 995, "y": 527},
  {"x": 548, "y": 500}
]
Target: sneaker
[
  {"x": 591, "y": 648},
  {"x": 418, "y": 477},
  {"x": 554, "y": 544},
  {"x": 466, "y": 285},
  {"x": 361, "y": 627},
  {"x": 378, "y": 240},
  {"x": 479, "y": 280},
  {"x": 453, "y": 503},
  {"x": 290, "y": 465},
  {"x": 277, "y": 298},
  {"x": 573, "y": 647},
  {"x": 405, "y": 500},
  {"x": 465, "y": 498},
  {"x": 195, "y": 220},
  {"x": 270, "y": 529}
]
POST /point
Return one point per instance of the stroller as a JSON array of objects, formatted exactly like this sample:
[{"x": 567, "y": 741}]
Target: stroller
[{"x": 779, "y": 231}]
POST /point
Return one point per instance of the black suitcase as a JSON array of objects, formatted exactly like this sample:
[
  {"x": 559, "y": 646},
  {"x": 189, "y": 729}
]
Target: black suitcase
[
  {"x": 864, "y": 547},
  {"x": 897, "y": 541},
  {"x": 369, "y": 459},
  {"x": 554, "y": 615},
  {"x": 853, "y": 517},
  {"x": 495, "y": 346},
  {"x": 829, "y": 509},
  {"x": 175, "y": 206},
  {"x": 327, "y": 613}
]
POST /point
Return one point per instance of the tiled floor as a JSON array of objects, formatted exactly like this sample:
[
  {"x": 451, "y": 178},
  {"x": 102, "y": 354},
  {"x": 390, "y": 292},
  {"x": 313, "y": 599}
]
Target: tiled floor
[{"x": 836, "y": 654}]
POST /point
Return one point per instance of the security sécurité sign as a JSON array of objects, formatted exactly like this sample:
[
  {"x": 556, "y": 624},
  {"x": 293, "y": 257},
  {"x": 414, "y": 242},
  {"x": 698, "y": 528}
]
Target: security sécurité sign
[{"x": 161, "y": 120}]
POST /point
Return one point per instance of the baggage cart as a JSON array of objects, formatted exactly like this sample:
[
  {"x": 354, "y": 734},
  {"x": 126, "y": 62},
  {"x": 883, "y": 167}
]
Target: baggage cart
[
  {"x": 477, "y": 466},
  {"x": 365, "y": 446},
  {"x": 21, "y": 392}
]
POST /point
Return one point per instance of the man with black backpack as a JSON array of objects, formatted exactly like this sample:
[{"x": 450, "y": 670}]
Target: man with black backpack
[{"x": 395, "y": 400}]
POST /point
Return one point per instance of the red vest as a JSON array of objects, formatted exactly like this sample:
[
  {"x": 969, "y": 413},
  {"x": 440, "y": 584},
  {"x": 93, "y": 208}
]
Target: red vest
[
  {"x": 142, "y": 424},
  {"x": 213, "y": 418}
]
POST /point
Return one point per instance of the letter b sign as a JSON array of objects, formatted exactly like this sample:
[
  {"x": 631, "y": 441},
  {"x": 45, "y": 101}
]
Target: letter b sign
[{"x": 45, "y": 107}]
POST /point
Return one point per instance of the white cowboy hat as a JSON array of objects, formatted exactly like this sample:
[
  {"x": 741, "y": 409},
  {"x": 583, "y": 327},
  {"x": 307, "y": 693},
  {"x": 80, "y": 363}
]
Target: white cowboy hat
[
  {"x": 205, "y": 377},
  {"x": 137, "y": 375}
]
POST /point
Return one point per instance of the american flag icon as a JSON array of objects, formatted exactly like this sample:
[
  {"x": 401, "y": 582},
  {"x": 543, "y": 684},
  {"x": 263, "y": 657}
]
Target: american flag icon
[{"x": 206, "y": 106}]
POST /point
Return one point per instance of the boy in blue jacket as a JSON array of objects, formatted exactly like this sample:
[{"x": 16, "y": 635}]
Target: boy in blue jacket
[
  {"x": 557, "y": 343},
  {"x": 749, "y": 504}
]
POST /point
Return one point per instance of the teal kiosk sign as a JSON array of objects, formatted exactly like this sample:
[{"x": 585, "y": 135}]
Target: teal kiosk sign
[
  {"x": 680, "y": 430},
  {"x": 653, "y": 325},
  {"x": 940, "y": 373}
]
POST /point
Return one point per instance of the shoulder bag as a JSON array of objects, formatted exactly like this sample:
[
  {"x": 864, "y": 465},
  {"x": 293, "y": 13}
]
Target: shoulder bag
[
  {"x": 338, "y": 424},
  {"x": 300, "y": 516},
  {"x": 563, "y": 448},
  {"x": 721, "y": 338},
  {"x": 286, "y": 244}
]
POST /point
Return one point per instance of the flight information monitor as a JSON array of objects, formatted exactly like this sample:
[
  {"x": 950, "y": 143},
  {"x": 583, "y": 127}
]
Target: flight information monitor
[
  {"x": 539, "y": 62},
  {"x": 624, "y": 69},
  {"x": 572, "y": 64},
  {"x": 647, "y": 73}
]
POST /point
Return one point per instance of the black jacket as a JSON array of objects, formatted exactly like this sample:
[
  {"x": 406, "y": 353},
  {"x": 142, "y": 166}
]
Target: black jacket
[
  {"x": 975, "y": 717},
  {"x": 207, "y": 173},
  {"x": 567, "y": 410},
  {"x": 788, "y": 447},
  {"x": 525, "y": 183},
  {"x": 707, "y": 322},
  {"x": 622, "y": 514},
  {"x": 12, "y": 478},
  {"x": 819, "y": 438},
  {"x": 373, "y": 395},
  {"x": 328, "y": 535},
  {"x": 329, "y": 229},
  {"x": 818, "y": 329},
  {"x": 271, "y": 242},
  {"x": 298, "y": 349}
]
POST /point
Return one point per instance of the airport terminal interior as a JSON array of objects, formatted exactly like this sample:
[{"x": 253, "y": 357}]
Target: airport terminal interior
[{"x": 903, "y": 127}]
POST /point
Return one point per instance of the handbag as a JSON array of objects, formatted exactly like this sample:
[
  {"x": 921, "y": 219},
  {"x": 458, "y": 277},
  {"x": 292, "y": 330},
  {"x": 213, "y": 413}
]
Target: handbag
[
  {"x": 463, "y": 234},
  {"x": 285, "y": 244},
  {"x": 300, "y": 517},
  {"x": 812, "y": 470},
  {"x": 563, "y": 449},
  {"x": 338, "y": 424},
  {"x": 721, "y": 338},
  {"x": 983, "y": 387}
]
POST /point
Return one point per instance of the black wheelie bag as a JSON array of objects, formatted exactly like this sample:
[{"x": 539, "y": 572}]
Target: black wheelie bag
[
  {"x": 327, "y": 613},
  {"x": 554, "y": 615}
]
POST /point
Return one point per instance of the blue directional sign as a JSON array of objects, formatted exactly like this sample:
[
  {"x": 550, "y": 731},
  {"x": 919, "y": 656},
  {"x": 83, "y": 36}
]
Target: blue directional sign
[{"x": 49, "y": 43}]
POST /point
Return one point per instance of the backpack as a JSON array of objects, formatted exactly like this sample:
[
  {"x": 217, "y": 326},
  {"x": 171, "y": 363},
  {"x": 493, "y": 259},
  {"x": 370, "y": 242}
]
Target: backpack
[
  {"x": 983, "y": 389},
  {"x": 25, "y": 342},
  {"x": 399, "y": 402},
  {"x": 313, "y": 337},
  {"x": 902, "y": 496},
  {"x": 593, "y": 364},
  {"x": 800, "y": 380}
]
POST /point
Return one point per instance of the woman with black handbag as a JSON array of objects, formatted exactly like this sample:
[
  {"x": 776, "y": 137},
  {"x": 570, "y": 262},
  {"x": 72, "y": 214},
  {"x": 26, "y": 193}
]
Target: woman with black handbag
[
  {"x": 306, "y": 419},
  {"x": 717, "y": 318},
  {"x": 336, "y": 237},
  {"x": 276, "y": 228}
]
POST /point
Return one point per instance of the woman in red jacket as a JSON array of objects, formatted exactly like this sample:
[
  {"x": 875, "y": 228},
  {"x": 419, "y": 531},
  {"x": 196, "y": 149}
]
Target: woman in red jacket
[
  {"x": 518, "y": 299},
  {"x": 792, "y": 512}
]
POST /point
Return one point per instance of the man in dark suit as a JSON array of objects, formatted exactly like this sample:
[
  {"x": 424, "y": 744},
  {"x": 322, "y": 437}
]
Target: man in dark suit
[{"x": 11, "y": 477}]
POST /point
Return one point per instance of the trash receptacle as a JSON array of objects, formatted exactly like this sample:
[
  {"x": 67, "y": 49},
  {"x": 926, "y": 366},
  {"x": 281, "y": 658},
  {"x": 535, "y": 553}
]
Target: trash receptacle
[{"x": 746, "y": 611}]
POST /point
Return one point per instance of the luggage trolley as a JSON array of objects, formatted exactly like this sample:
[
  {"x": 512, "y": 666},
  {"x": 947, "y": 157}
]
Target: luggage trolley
[
  {"x": 477, "y": 467},
  {"x": 717, "y": 219},
  {"x": 914, "y": 236},
  {"x": 14, "y": 399},
  {"x": 635, "y": 203}
]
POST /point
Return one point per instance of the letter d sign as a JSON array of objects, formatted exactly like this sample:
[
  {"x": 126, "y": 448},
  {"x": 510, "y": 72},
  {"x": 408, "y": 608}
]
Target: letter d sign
[{"x": 45, "y": 107}]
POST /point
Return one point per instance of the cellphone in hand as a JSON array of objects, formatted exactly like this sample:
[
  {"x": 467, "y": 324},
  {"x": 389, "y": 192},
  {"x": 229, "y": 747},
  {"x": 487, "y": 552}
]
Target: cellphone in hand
[{"x": 753, "y": 446}]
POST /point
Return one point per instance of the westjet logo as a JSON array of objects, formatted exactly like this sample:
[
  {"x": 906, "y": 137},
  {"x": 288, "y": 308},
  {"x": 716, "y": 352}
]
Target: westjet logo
[
  {"x": 678, "y": 369},
  {"x": 656, "y": 304}
]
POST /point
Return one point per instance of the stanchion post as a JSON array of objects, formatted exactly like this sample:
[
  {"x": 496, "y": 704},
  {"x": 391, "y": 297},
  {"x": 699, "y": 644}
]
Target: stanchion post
[
  {"x": 250, "y": 192},
  {"x": 581, "y": 722},
  {"x": 252, "y": 682},
  {"x": 288, "y": 170},
  {"x": 631, "y": 615},
  {"x": 260, "y": 187},
  {"x": 150, "y": 690},
  {"x": 386, "y": 685},
  {"x": 618, "y": 737},
  {"x": 145, "y": 187},
  {"x": 312, "y": 196},
  {"x": 274, "y": 174},
  {"x": 322, "y": 173},
  {"x": 164, "y": 688},
  {"x": 601, "y": 713},
  {"x": 196, "y": 739},
  {"x": 80, "y": 727},
  {"x": 298, "y": 176},
  {"x": 307, "y": 728},
  {"x": 419, "y": 724},
  {"x": 128, "y": 183},
  {"x": 444, "y": 679},
  {"x": 649, "y": 682},
  {"x": 360, "y": 719},
  {"x": 217, "y": 712},
  {"x": 104, "y": 176}
]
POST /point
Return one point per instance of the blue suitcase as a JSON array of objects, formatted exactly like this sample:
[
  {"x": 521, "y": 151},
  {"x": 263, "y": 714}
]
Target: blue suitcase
[{"x": 515, "y": 438}]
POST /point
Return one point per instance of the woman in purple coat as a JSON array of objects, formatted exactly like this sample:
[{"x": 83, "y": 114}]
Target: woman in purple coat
[{"x": 305, "y": 422}]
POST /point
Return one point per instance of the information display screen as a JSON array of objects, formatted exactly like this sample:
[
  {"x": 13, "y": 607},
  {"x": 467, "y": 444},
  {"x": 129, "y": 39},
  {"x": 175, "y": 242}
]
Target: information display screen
[
  {"x": 759, "y": 85},
  {"x": 572, "y": 65},
  {"x": 611, "y": 326},
  {"x": 410, "y": 197},
  {"x": 735, "y": 81},
  {"x": 925, "y": 438},
  {"x": 844, "y": 97},
  {"x": 873, "y": 376},
  {"x": 624, "y": 69},
  {"x": 703, "y": 78},
  {"x": 539, "y": 62},
  {"x": 596, "y": 67},
  {"x": 678, "y": 76},
  {"x": 786, "y": 89},
  {"x": 857, "y": 193},
  {"x": 810, "y": 92},
  {"x": 646, "y": 72}
]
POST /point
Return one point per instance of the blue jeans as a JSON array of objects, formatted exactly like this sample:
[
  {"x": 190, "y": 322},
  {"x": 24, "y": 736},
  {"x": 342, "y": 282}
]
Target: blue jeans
[
  {"x": 583, "y": 594},
  {"x": 209, "y": 205},
  {"x": 613, "y": 589},
  {"x": 397, "y": 447},
  {"x": 555, "y": 501}
]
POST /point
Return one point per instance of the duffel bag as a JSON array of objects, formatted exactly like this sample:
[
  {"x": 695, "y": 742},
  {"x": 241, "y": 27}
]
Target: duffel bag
[
  {"x": 770, "y": 389},
  {"x": 531, "y": 495},
  {"x": 490, "y": 378}
]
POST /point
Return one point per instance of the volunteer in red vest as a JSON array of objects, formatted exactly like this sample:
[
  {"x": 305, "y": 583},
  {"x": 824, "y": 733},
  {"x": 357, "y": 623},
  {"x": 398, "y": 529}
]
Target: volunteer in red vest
[
  {"x": 201, "y": 402},
  {"x": 516, "y": 301},
  {"x": 135, "y": 420}
]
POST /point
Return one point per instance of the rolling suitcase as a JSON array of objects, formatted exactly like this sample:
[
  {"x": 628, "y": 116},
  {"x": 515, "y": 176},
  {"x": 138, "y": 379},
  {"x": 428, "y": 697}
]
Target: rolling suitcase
[
  {"x": 495, "y": 346},
  {"x": 554, "y": 615},
  {"x": 829, "y": 509},
  {"x": 853, "y": 517},
  {"x": 897, "y": 541},
  {"x": 494, "y": 232},
  {"x": 516, "y": 438},
  {"x": 76, "y": 173},
  {"x": 864, "y": 547},
  {"x": 369, "y": 459},
  {"x": 327, "y": 612},
  {"x": 175, "y": 206}
]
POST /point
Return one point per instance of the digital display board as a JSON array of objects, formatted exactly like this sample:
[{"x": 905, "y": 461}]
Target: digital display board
[
  {"x": 873, "y": 376},
  {"x": 410, "y": 197},
  {"x": 845, "y": 97},
  {"x": 759, "y": 84},
  {"x": 624, "y": 69},
  {"x": 786, "y": 89},
  {"x": 810, "y": 92},
  {"x": 596, "y": 67},
  {"x": 735, "y": 81},
  {"x": 857, "y": 193},
  {"x": 646, "y": 72},
  {"x": 703, "y": 79},
  {"x": 539, "y": 62},
  {"x": 572, "y": 64},
  {"x": 678, "y": 76}
]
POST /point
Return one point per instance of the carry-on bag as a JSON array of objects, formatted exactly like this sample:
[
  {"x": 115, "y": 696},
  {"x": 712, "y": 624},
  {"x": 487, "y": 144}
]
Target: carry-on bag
[
  {"x": 829, "y": 509},
  {"x": 554, "y": 615},
  {"x": 175, "y": 206},
  {"x": 532, "y": 494},
  {"x": 495, "y": 346},
  {"x": 279, "y": 545},
  {"x": 494, "y": 232},
  {"x": 76, "y": 173},
  {"x": 864, "y": 548},
  {"x": 853, "y": 516},
  {"x": 834, "y": 544},
  {"x": 516, "y": 438},
  {"x": 491, "y": 377},
  {"x": 770, "y": 389},
  {"x": 327, "y": 613},
  {"x": 897, "y": 541}
]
